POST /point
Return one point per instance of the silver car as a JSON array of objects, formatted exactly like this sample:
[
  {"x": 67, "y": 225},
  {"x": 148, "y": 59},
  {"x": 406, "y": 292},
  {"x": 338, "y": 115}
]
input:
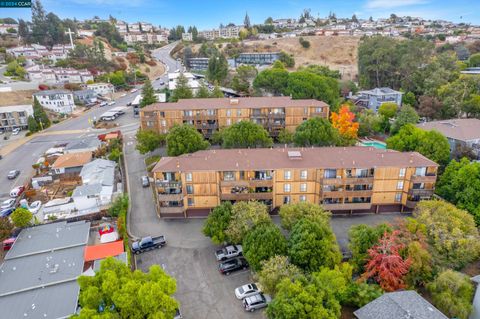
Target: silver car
[
  {"x": 247, "y": 291},
  {"x": 255, "y": 302},
  {"x": 145, "y": 181}
]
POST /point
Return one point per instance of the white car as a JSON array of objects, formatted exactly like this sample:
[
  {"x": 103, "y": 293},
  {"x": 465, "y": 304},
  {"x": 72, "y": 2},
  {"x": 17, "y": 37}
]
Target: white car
[
  {"x": 133, "y": 90},
  {"x": 17, "y": 191},
  {"x": 124, "y": 94},
  {"x": 35, "y": 207},
  {"x": 15, "y": 131},
  {"x": 247, "y": 290},
  {"x": 111, "y": 103},
  {"x": 7, "y": 203}
]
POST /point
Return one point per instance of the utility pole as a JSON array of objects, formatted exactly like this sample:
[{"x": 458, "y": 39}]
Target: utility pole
[{"x": 70, "y": 35}]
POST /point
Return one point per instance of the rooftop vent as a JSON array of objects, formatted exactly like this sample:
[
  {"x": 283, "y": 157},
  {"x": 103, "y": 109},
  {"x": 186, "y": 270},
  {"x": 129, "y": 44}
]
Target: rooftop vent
[
  {"x": 234, "y": 101},
  {"x": 294, "y": 155}
]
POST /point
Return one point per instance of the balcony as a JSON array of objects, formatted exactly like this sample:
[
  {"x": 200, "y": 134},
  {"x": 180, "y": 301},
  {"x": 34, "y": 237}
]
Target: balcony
[
  {"x": 333, "y": 194},
  {"x": 258, "y": 115},
  {"x": 172, "y": 210},
  {"x": 261, "y": 182},
  {"x": 429, "y": 178},
  {"x": 422, "y": 193},
  {"x": 411, "y": 203},
  {"x": 333, "y": 181},
  {"x": 168, "y": 184},
  {"x": 347, "y": 206},
  {"x": 359, "y": 193},
  {"x": 234, "y": 183},
  {"x": 276, "y": 115},
  {"x": 170, "y": 197},
  {"x": 359, "y": 180},
  {"x": 247, "y": 196}
]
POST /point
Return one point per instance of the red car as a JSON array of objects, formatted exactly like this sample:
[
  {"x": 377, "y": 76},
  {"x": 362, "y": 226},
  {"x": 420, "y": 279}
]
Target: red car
[
  {"x": 17, "y": 191},
  {"x": 8, "y": 243}
]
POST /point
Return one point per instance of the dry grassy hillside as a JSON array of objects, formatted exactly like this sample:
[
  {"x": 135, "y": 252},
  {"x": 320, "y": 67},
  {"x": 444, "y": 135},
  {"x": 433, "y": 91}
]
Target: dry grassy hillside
[{"x": 16, "y": 97}]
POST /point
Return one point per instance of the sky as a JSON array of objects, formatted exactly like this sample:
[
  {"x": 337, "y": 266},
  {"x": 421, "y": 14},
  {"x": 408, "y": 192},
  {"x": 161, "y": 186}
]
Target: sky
[{"x": 210, "y": 13}]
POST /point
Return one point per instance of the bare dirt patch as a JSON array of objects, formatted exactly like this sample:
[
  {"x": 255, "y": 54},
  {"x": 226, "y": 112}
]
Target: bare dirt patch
[{"x": 16, "y": 97}]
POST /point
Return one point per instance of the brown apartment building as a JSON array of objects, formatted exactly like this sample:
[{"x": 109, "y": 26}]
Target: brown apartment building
[
  {"x": 342, "y": 179},
  {"x": 209, "y": 115}
]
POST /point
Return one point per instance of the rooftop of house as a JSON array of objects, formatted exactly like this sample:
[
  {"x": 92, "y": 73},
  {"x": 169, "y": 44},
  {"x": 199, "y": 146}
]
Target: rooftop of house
[
  {"x": 102, "y": 251},
  {"x": 277, "y": 158},
  {"x": 99, "y": 171},
  {"x": 235, "y": 103},
  {"x": 380, "y": 91},
  {"x": 88, "y": 143},
  {"x": 51, "y": 92},
  {"x": 401, "y": 304},
  {"x": 458, "y": 129},
  {"x": 16, "y": 108},
  {"x": 72, "y": 160}
]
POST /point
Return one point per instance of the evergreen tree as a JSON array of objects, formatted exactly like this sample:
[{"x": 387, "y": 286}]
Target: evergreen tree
[
  {"x": 246, "y": 21},
  {"x": 39, "y": 25},
  {"x": 40, "y": 115},
  {"x": 217, "y": 92},
  {"x": 217, "y": 68},
  {"x": 182, "y": 91},
  {"x": 194, "y": 33},
  {"x": 202, "y": 92},
  {"x": 32, "y": 124},
  {"x": 148, "y": 94}
]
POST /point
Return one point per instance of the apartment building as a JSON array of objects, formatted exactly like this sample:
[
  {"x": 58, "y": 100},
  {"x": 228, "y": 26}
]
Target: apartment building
[
  {"x": 44, "y": 74},
  {"x": 342, "y": 179},
  {"x": 257, "y": 58},
  {"x": 372, "y": 99},
  {"x": 102, "y": 88},
  {"x": 226, "y": 33},
  {"x": 14, "y": 116},
  {"x": 60, "y": 101},
  {"x": 149, "y": 38},
  {"x": 210, "y": 115}
]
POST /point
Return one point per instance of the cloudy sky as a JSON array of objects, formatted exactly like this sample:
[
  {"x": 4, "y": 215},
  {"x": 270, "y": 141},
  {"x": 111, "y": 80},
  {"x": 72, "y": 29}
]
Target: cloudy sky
[{"x": 210, "y": 13}]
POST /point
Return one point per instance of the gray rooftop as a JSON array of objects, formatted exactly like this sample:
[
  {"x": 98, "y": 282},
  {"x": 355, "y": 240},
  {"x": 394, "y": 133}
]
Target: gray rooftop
[
  {"x": 51, "y": 92},
  {"x": 41, "y": 270},
  {"x": 49, "y": 237},
  {"x": 84, "y": 92},
  {"x": 458, "y": 129},
  {"x": 99, "y": 171},
  {"x": 122, "y": 257},
  {"x": 83, "y": 144},
  {"x": 86, "y": 190},
  {"x": 380, "y": 91},
  {"x": 59, "y": 301},
  {"x": 399, "y": 305}
]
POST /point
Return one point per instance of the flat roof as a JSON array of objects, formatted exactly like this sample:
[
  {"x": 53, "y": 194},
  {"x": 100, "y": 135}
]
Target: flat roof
[
  {"x": 458, "y": 129},
  {"x": 48, "y": 237},
  {"x": 235, "y": 103},
  {"x": 104, "y": 250},
  {"x": 277, "y": 158}
]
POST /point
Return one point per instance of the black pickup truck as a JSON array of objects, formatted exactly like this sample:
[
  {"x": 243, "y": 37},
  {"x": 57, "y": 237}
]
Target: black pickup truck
[{"x": 148, "y": 243}]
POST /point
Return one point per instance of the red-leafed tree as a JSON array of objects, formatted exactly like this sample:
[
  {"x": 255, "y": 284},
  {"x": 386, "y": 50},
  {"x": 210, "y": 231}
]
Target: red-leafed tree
[
  {"x": 343, "y": 121},
  {"x": 386, "y": 265}
]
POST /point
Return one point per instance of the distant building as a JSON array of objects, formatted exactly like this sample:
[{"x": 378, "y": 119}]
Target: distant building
[
  {"x": 85, "y": 96},
  {"x": 198, "y": 63},
  {"x": 121, "y": 27},
  {"x": 149, "y": 38},
  {"x": 38, "y": 277},
  {"x": 192, "y": 82},
  {"x": 475, "y": 71},
  {"x": 134, "y": 27},
  {"x": 36, "y": 51},
  {"x": 59, "y": 101},
  {"x": 400, "y": 304},
  {"x": 187, "y": 36},
  {"x": 102, "y": 88},
  {"x": 6, "y": 28},
  {"x": 257, "y": 58},
  {"x": 146, "y": 26},
  {"x": 372, "y": 99},
  {"x": 40, "y": 73},
  {"x": 459, "y": 132},
  {"x": 15, "y": 116},
  {"x": 226, "y": 33}
]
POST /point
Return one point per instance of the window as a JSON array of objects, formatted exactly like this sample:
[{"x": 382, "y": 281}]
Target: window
[
  {"x": 229, "y": 176},
  {"x": 303, "y": 174},
  {"x": 189, "y": 189},
  {"x": 305, "y": 110},
  {"x": 287, "y": 188},
  {"x": 330, "y": 173},
  {"x": 229, "y": 122},
  {"x": 402, "y": 172},
  {"x": 162, "y": 114},
  {"x": 420, "y": 171},
  {"x": 287, "y": 175},
  {"x": 239, "y": 112},
  {"x": 398, "y": 197},
  {"x": 286, "y": 199},
  {"x": 400, "y": 185},
  {"x": 190, "y": 202},
  {"x": 303, "y": 187},
  {"x": 188, "y": 177},
  {"x": 318, "y": 110},
  {"x": 229, "y": 113},
  {"x": 302, "y": 198},
  {"x": 164, "y": 123}
]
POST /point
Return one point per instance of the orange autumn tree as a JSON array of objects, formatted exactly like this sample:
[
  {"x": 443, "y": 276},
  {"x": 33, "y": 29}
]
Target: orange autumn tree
[
  {"x": 385, "y": 264},
  {"x": 343, "y": 122}
]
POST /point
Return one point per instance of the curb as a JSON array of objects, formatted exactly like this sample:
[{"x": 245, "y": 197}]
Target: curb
[{"x": 127, "y": 182}]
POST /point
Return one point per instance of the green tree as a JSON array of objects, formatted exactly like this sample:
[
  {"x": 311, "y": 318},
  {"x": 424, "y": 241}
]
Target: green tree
[
  {"x": 148, "y": 94},
  {"x": 184, "y": 139},
  {"x": 409, "y": 98},
  {"x": 431, "y": 144},
  {"x": 316, "y": 132},
  {"x": 217, "y": 223},
  {"x": 452, "y": 293},
  {"x": 290, "y": 214},
  {"x": 245, "y": 216},
  {"x": 6, "y": 228},
  {"x": 148, "y": 141},
  {"x": 217, "y": 92},
  {"x": 287, "y": 59},
  {"x": 406, "y": 115},
  {"x": 21, "y": 217},
  {"x": 119, "y": 206},
  {"x": 285, "y": 136},
  {"x": 369, "y": 123},
  {"x": 242, "y": 80},
  {"x": 358, "y": 294},
  {"x": 117, "y": 292},
  {"x": 245, "y": 134},
  {"x": 217, "y": 68},
  {"x": 202, "y": 92},
  {"x": 182, "y": 89},
  {"x": 321, "y": 70},
  {"x": 306, "y": 85},
  {"x": 272, "y": 80},
  {"x": 312, "y": 244},
  {"x": 263, "y": 242},
  {"x": 451, "y": 233},
  {"x": 474, "y": 60},
  {"x": 460, "y": 184},
  {"x": 471, "y": 107},
  {"x": 388, "y": 109},
  {"x": 274, "y": 270},
  {"x": 32, "y": 124},
  {"x": 420, "y": 271},
  {"x": 115, "y": 155},
  {"x": 361, "y": 238}
]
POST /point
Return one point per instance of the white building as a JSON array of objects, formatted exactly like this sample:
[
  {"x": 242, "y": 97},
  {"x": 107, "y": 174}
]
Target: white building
[
  {"x": 40, "y": 73},
  {"x": 102, "y": 88},
  {"x": 36, "y": 51},
  {"x": 134, "y": 27},
  {"x": 60, "y": 101},
  {"x": 4, "y": 28},
  {"x": 146, "y": 26},
  {"x": 192, "y": 82},
  {"x": 187, "y": 36},
  {"x": 14, "y": 116},
  {"x": 121, "y": 27},
  {"x": 149, "y": 38},
  {"x": 227, "y": 33}
]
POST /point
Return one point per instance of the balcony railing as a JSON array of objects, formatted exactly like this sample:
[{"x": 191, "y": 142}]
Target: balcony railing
[
  {"x": 247, "y": 196},
  {"x": 359, "y": 180},
  {"x": 276, "y": 115},
  {"x": 241, "y": 182},
  {"x": 429, "y": 178},
  {"x": 170, "y": 197},
  {"x": 427, "y": 193},
  {"x": 411, "y": 203},
  {"x": 347, "y": 206},
  {"x": 170, "y": 184},
  {"x": 359, "y": 193},
  {"x": 172, "y": 210}
]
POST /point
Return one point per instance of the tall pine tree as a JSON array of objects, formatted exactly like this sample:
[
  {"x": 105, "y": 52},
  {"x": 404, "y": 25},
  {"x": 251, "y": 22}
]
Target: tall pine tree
[
  {"x": 148, "y": 94},
  {"x": 40, "y": 115}
]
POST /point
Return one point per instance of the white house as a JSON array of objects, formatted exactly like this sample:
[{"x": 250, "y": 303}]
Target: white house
[
  {"x": 60, "y": 101},
  {"x": 102, "y": 88},
  {"x": 192, "y": 82}
]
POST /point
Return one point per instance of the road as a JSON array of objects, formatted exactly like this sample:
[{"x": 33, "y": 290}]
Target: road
[{"x": 163, "y": 55}]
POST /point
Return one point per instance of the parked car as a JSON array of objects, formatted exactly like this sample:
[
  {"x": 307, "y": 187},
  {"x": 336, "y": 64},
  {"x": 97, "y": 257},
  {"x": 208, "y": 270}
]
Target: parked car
[
  {"x": 229, "y": 252},
  {"x": 17, "y": 191},
  {"x": 232, "y": 265},
  {"x": 247, "y": 291},
  {"x": 7, "y": 211},
  {"x": 178, "y": 314},
  {"x": 8, "y": 203},
  {"x": 133, "y": 90},
  {"x": 148, "y": 243},
  {"x": 13, "y": 174},
  {"x": 15, "y": 131},
  {"x": 123, "y": 94},
  {"x": 111, "y": 103},
  {"x": 145, "y": 181},
  {"x": 35, "y": 207},
  {"x": 255, "y": 302},
  {"x": 8, "y": 243},
  {"x": 162, "y": 83},
  {"x": 103, "y": 104}
]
